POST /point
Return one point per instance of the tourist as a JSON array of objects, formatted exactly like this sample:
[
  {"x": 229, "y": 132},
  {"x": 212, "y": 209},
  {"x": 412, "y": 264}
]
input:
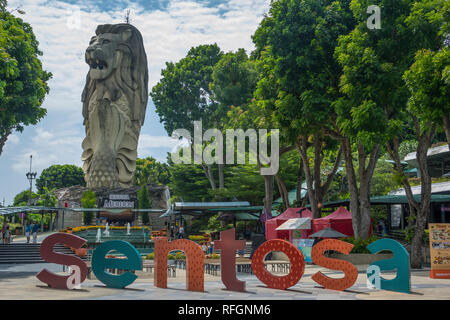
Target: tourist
[
  {"x": 211, "y": 248},
  {"x": 4, "y": 229},
  {"x": 34, "y": 231},
  {"x": 181, "y": 232},
  {"x": 204, "y": 248},
  {"x": 7, "y": 236},
  {"x": 28, "y": 232}
]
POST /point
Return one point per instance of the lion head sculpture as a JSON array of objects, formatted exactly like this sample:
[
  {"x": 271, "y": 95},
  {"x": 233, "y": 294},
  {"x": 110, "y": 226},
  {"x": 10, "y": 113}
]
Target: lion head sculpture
[{"x": 114, "y": 104}]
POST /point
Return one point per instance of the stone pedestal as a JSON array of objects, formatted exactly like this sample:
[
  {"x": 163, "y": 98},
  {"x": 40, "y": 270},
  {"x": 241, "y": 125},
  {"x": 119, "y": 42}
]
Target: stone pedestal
[{"x": 109, "y": 198}]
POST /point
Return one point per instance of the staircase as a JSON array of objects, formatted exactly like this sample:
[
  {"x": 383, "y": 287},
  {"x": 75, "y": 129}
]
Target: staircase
[{"x": 23, "y": 253}]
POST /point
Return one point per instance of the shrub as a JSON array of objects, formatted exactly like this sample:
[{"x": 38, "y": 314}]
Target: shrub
[{"x": 360, "y": 246}]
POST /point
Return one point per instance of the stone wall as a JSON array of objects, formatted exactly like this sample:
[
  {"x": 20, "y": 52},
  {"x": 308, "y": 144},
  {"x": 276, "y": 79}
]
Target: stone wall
[{"x": 159, "y": 195}]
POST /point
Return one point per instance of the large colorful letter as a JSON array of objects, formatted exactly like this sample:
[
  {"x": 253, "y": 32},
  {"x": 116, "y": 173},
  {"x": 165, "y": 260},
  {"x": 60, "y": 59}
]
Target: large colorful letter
[
  {"x": 400, "y": 261},
  {"x": 100, "y": 263},
  {"x": 195, "y": 261},
  {"x": 295, "y": 257},
  {"x": 350, "y": 271},
  {"x": 228, "y": 247},
  {"x": 47, "y": 253}
]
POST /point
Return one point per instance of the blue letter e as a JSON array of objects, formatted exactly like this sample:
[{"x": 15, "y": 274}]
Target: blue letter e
[
  {"x": 400, "y": 261},
  {"x": 100, "y": 263}
]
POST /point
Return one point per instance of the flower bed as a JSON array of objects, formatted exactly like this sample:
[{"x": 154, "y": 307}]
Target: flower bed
[{"x": 84, "y": 228}]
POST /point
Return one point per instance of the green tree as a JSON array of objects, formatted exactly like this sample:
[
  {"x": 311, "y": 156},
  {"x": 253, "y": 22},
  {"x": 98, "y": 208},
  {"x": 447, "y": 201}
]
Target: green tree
[
  {"x": 60, "y": 176},
  {"x": 48, "y": 198},
  {"x": 183, "y": 96},
  {"x": 88, "y": 200},
  {"x": 149, "y": 171},
  {"x": 21, "y": 199},
  {"x": 373, "y": 63},
  {"x": 23, "y": 82},
  {"x": 294, "y": 47},
  {"x": 144, "y": 203},
  {"x": 427, "y": 80}
]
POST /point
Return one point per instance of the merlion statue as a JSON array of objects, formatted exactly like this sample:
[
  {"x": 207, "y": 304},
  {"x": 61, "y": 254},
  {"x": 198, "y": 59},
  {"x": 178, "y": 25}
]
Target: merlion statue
[{"x": 114, "y": 104}]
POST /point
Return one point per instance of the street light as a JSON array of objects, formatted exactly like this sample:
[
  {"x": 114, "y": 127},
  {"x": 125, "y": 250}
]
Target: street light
[{"x": 31, "y": 176}]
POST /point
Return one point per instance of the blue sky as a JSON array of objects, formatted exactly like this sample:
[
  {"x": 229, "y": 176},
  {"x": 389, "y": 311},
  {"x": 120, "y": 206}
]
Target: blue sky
[{"x": 63, "y": 28}]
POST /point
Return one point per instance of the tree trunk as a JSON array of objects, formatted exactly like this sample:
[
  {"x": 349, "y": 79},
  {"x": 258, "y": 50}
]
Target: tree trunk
[
  {"x": 221, "y": 176},
  {"x": 209, "y": 175},
  {"x": 360, "y": 199},
  {"x": 299, "y": 181},
  {"x": 3, "y": 140},
  {"x": 302, "y": 148},
  {"x": 283, "y": 191},
  {"x": 316, "y": 189},
  {"x": 425, "y": 140},
  {"x": 268, "y": 199},
  {"x": 446, "y": 124}
]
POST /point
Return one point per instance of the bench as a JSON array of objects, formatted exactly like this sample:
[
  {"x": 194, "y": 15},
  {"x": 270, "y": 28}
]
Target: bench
[{"x": 148, "y": 266}]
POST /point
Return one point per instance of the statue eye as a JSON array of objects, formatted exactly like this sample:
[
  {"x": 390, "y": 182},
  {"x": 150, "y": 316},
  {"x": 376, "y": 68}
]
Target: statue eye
[{"x": 106, "y": 41}]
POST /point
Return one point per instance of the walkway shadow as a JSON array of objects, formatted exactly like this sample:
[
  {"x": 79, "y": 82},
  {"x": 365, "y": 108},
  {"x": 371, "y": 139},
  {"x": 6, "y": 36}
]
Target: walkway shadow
[
  {"x": 16, "y": 274},
  {"x": 346, "y": 290},
  {"x": 56, "y": 289},
  {"x": 288, "y": 289},
  {"x": 239, "y": 291},
  {"x": 126, "y": 289}
]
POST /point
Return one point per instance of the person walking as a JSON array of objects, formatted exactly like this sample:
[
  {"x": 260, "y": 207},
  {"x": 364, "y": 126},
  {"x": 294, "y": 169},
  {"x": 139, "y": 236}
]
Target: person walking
[
  {"x": 7, "y": 235},
  {"x": 4, "y": 231},
  {"x": 204, "y": 248},
  {"x": 181, "y": 231},
  {"x": 34, "y": 231},
  {"x": 28, "y": 232}
]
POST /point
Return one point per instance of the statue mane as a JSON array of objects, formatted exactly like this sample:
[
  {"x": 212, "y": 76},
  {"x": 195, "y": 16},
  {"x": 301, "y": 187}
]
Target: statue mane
[{"x": 128, "y": 80}]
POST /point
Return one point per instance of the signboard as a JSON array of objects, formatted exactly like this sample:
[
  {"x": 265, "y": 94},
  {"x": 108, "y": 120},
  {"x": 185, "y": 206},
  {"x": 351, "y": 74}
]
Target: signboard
[
  {"x": 305, "y": 246},
  {"x": 296, "y": 224},
  {"x": 118, "y": 201},
  {"x": 440, "y": 250}
]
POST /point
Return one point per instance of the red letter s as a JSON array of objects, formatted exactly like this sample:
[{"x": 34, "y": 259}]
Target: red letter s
[
  {"x": 350, "y": 271},
  {"x": 47, "y": 253}
]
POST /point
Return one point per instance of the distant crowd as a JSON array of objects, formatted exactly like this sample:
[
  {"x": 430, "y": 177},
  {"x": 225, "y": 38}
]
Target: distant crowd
[{"x": 31, "y": 229}]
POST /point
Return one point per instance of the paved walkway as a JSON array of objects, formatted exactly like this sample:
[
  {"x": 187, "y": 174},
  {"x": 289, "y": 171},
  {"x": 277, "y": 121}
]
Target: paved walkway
[
  {"x": 20, "y": 282},
  {"x": 23, "y": 239}
]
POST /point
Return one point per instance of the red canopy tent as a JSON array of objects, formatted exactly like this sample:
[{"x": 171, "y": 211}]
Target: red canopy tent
[
  {"x": 274, "y": 223},
  {"x": 340, "y": 220}
]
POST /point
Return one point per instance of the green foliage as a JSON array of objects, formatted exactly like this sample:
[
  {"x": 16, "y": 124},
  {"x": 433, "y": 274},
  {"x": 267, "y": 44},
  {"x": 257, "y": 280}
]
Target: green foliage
[
  {"x": 150, "y": 171},
  {"x": 144, "y": 203},
  {"x": 60, "y": 176},
  {"x": 21, "y": 199},
  {"x": 428, "y": 80},
  {"x": 48, "y": 198},
  {"x": 360, "y": 246},
  {"x": 233, "y": 79},
  {"x": 190, "y": 182},
  {"x": 23, "y": 82},
  {"x": 88, "y": 200},
  {"x": 183, "y": 95},
  {"x": 215, "y": 225}
]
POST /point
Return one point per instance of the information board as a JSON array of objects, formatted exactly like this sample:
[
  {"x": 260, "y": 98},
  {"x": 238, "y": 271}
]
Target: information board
[
  {"x": 440, "y": 250},
  {"x": 305, "y": 246}
]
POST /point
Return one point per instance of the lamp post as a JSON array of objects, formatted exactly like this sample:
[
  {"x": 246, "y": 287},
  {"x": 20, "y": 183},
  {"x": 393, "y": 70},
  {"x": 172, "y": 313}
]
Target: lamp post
[{"x": 31, "y": 176}]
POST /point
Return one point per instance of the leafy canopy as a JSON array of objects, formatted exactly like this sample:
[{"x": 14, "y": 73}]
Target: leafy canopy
[{"x": 23, "y": 82}]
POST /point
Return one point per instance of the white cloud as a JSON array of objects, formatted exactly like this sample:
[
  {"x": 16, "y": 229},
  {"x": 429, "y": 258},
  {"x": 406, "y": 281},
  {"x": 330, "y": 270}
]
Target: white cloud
[{"x": 49, "y": 148}]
